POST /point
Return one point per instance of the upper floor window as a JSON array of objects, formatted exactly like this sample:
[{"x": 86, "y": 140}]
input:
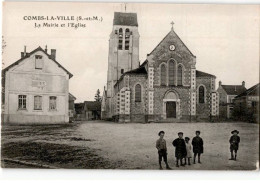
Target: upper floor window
[
  {"x": 120, "y": 39},
  {"x": 38, "y": 62},
  {"x": 37, "y": 102},
  {"x": 127, "y": 39},
  {"x": 201, "y": 94},
  {"x": 171, "y": 73},
  {"x": 231, "y": 98},
  {"x": 21, "y": 101},
  {"x": 163, "y": 75},
  {"x": 179, "y": 76},
  {"x": 53, "y": 103},
  {"x": 138, "y": 93}
]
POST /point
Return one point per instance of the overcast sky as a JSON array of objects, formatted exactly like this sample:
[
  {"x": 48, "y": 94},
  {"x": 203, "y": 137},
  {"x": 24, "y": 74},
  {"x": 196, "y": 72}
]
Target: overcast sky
[{"x": 224, "y": 38}]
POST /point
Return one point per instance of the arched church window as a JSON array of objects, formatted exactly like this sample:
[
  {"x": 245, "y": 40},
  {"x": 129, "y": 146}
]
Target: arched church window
[
  {"x": 179, "y": 76},
  {"x": 138, "y": 93},
  {"x": 120, "y": 39},
  {"x": 127, "y": 39},
  {"x": 171, "y": 73},
  {"x": 201, "y": 94},
  {"x": 163, "y": 75}
]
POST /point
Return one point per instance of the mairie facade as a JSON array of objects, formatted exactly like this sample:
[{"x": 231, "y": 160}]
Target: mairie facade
[
  {"x": 35, "y": 89},
  {"x": 165, "y": 87}
]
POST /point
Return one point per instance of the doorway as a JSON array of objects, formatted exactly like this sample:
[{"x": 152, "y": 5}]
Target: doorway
[{"x": 171, "y": 109}]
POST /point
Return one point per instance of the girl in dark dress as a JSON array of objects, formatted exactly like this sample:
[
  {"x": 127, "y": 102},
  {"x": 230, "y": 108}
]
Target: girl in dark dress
[
  {"x": 180, "y": 149},
  {"x": 197, "y": 144}
]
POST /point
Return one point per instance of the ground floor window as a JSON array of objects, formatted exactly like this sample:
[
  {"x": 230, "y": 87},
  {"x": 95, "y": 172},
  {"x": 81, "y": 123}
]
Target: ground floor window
[
  {"x": 53, "y": 103},
  {"x": 37, "y": 102},
  {"x": 21, "y": 101}
]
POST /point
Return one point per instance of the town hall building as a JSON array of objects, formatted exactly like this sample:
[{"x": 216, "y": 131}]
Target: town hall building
[
  {"x": 165, "y": 87},
  {"x": 35, "y": 89}
]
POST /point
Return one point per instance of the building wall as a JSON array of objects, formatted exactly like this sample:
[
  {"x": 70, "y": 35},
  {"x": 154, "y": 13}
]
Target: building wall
[
  {"x": 203, "y": 109},
  {"x": 24, "y": 79},
  {"x": 222, "y": 95},
  {"x": 138, "y": 109},
  {"x": 247, "y": 108}
]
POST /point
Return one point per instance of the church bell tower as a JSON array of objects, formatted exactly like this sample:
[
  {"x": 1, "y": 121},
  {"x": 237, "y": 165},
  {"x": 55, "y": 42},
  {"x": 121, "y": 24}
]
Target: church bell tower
[{"x": 123, "y": 49}]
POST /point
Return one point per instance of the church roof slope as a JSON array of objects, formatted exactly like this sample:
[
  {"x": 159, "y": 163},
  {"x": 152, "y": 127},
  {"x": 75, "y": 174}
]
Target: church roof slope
[
  {"x": 129, "y": 19},
  {"x": 32, "y": 52},
  {"x": 203, "y": 74},
  {"x": 234, "y": 89},
  {"x": 253, "y": 91},
  {"x": 172, "y": 33},
  {"x": 72, "y": 97},
  {"x": 140, "y": 70}
]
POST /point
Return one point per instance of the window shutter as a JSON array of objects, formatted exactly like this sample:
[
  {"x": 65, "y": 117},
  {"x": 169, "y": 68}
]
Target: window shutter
[
  {"x": 53, "y": 103},
  {"x": 38, "y": 103},
  {"x": 38, "y": 62}
]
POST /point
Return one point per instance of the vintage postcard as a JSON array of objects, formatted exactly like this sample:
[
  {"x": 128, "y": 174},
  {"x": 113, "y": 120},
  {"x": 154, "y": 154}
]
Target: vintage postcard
[{"x": 130, "y": 86}]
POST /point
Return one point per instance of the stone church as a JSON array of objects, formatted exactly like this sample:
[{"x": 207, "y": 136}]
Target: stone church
[{"x": 165, "y": 87}]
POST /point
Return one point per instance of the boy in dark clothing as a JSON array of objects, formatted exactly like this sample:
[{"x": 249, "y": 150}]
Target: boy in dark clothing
[
  {"x": 197, "y": 144},
  {"x": 180, "y": 149},
  {"x": 234, "y": 144},
  {"x": 162, "y": 150}
]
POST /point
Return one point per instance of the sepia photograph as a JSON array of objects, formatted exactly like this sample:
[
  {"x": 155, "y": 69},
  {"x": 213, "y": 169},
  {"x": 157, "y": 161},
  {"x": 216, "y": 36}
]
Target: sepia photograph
[{"x": 130, "y": 86}]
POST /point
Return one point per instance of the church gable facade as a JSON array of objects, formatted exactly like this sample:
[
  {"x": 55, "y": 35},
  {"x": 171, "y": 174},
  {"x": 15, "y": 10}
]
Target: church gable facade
[{"x": 166, "y": 87}]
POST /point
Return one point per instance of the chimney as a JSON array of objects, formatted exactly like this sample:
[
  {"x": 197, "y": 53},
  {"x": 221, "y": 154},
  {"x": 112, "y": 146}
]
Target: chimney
[
  {"x": 46, "y": 49},
  {"x": 53, "y": 54},
  {"x": 22, "y": 54},
  {"x": 219, "y": 83},
  {"x": 243, "y": 83}
]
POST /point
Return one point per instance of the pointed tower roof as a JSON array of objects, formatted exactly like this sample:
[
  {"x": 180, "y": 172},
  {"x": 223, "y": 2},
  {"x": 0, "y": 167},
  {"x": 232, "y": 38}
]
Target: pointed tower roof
[{"x": 129, "y": 19}]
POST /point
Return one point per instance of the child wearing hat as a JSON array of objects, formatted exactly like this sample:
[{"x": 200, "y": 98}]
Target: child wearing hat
[
  {"x": 197, "y": 144},
  {"x": 234, "y": 144},
  {"x": 162, "y": 150},
  {"x": 180, "y": 149},
  {"x": 188, "y": 149}
]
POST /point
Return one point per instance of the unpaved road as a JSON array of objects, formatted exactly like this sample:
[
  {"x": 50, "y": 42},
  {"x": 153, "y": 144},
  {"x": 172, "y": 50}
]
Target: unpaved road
[{"x": 108, "y": 145}]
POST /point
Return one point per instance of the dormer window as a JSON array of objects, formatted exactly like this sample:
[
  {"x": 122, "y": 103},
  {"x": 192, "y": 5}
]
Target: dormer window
[{"x": 38, "y": 62}]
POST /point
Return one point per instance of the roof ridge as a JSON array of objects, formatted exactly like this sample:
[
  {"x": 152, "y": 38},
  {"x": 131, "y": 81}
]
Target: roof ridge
[
  {"x": 29, "y": 54},
  {"x": 248, "y": 91}
]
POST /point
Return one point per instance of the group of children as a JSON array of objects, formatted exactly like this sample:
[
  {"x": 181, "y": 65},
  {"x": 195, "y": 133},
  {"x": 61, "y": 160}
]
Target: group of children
[{"x": 183, "y": 148}]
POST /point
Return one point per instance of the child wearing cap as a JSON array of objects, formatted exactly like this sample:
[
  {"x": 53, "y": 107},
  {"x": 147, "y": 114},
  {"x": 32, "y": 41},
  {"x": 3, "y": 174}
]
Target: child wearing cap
[
  {"x": 188, "y": 149},
  {"x": 197, "y": 144},
  {"x": 234, "y": 144},
  {"x": 162, "y": 150},
  {"x": 180, "y": 149}
]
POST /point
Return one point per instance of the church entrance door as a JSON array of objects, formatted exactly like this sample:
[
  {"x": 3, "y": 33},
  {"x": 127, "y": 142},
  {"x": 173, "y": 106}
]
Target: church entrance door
[{"x": 171, "y": 109}]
